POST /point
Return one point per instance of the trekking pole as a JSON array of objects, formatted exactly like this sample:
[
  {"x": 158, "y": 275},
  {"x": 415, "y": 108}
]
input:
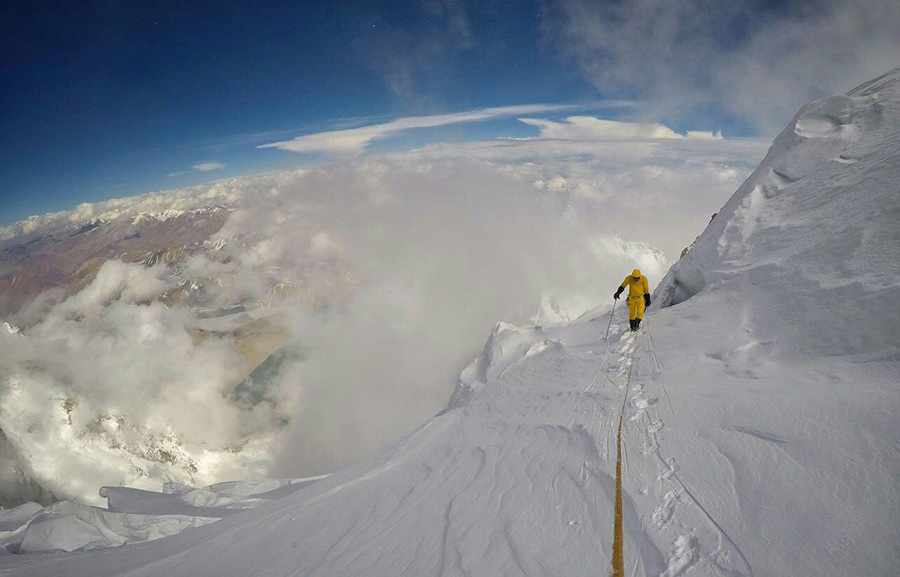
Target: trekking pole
[{"x": 610, "y": 320}]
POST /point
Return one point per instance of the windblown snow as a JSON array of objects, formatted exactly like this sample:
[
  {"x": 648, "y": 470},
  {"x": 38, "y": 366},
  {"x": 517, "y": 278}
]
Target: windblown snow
[{"x": 760, "y": 421}]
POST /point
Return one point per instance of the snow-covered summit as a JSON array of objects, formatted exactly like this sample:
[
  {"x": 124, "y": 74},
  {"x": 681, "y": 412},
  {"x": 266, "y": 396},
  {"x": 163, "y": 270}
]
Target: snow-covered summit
[{"x": 813, "y": 230}]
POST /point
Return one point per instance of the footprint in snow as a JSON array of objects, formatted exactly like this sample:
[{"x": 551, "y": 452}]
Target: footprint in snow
[
  {"x": 684, "y": 554},
  {"x": 640, "y": 406},
  {"x": 663, "y": 514}
]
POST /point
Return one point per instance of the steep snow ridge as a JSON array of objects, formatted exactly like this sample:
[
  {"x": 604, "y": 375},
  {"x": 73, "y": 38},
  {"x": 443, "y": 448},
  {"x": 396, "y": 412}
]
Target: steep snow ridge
[
  {"x": 759, "y": 420},
  {"x": 814, "y": 228}
]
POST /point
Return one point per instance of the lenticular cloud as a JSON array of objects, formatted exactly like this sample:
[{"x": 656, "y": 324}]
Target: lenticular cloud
[{"x": 330, "y": 311}]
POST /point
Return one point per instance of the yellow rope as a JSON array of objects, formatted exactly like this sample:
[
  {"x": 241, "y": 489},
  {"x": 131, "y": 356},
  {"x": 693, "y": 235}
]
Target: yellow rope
[{"x": 618, "y": 560}]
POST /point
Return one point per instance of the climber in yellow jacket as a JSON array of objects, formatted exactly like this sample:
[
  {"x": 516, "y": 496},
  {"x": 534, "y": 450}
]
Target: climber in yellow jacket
[{"x": 638, "y": 297}]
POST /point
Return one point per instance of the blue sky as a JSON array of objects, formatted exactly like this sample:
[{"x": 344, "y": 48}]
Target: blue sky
[
  {"x": 108, "y": 100},
  {"x": 102, "y": 99}
]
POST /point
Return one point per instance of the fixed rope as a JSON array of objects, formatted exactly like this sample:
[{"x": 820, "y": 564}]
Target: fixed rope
[{"x": 618, "y": 560}]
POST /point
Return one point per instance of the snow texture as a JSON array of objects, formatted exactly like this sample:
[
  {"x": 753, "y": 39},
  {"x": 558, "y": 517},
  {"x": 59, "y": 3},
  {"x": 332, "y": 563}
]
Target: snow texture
[
  {"x": 132, "y": 515},
  {"x": 760, "y": 423}
]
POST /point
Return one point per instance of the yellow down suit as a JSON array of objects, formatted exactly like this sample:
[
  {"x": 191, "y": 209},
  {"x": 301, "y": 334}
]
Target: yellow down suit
[{"x": 637, "y": 286}]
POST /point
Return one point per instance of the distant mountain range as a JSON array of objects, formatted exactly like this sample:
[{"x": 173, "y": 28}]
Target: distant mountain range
[{"x": 67, "y": 259}]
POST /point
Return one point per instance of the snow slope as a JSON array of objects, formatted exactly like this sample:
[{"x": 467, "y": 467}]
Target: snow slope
[
  {"x": 132, "y": 515},
  {"x": 760, "y": 412}
]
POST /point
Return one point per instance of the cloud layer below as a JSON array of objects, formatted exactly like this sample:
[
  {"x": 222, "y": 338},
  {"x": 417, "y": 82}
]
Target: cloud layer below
[{"x": 388, "y": 272}]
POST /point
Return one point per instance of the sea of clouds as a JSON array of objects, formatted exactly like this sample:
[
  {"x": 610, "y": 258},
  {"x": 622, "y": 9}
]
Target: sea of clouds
[{"x": 397, "y": 266}]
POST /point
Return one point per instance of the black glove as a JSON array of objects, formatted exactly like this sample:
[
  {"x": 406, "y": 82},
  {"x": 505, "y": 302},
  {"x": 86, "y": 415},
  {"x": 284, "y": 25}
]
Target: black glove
[
  {"x": 646, "y": 300},
  {"x": 618, "y": 292}
]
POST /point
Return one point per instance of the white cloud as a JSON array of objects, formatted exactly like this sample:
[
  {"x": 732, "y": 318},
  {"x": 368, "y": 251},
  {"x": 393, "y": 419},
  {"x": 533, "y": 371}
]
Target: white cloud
[
  {"x": 208, "y": 166},
  {"x": 704, "y": 134},
  {"x": 116, "y": 281},
  {"x": 355, "y": 140},
  {"x": 591, "y": 128},
  {"x": 109, "y": 388},
  {"x": 393, "y": 269},
  {"x": 690, "y": 56}
]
